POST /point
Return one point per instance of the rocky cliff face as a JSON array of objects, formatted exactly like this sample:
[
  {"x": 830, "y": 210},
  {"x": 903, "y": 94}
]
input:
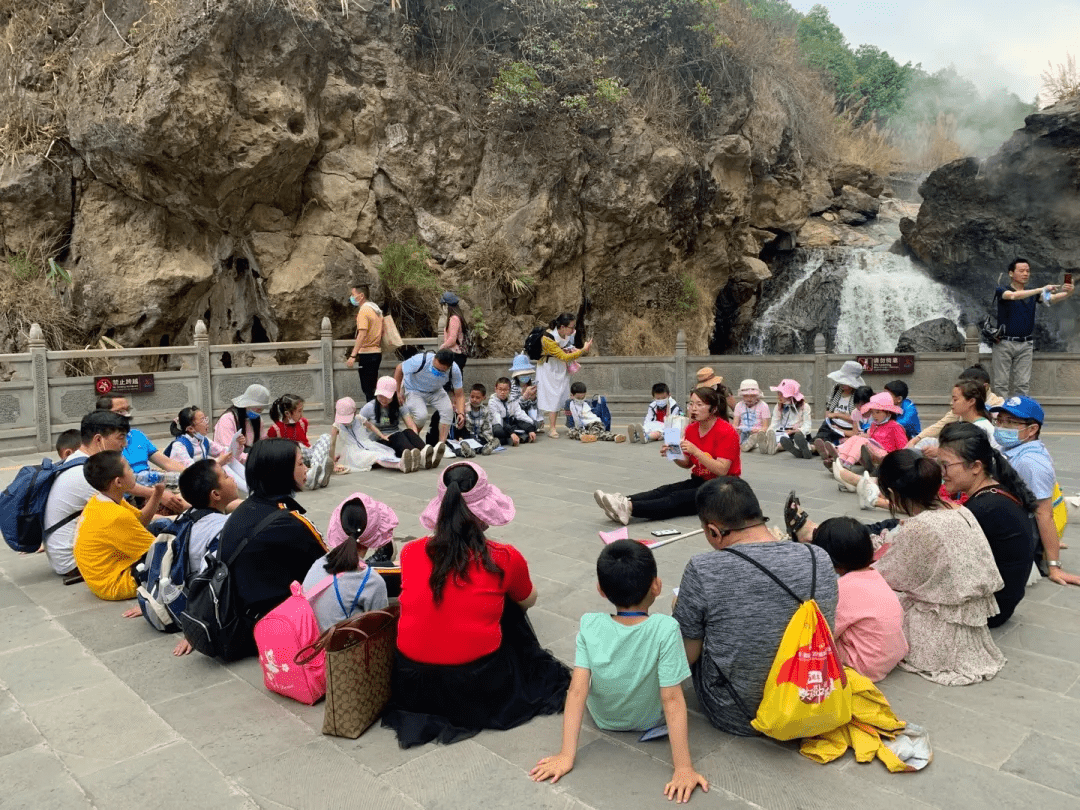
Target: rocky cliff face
[
  {"x": 1024, "y": 201},
  {"x": 238, "y": 161}
]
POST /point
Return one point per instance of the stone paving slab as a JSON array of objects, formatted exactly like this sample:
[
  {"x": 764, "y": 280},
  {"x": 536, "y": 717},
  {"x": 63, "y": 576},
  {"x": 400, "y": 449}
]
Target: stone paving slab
[{"x": 96, "y": 712}]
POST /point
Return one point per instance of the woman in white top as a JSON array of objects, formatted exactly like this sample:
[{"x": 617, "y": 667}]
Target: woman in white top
[
  {"x": 969, "y": 403},
  {"x": 552, "y": 374}
]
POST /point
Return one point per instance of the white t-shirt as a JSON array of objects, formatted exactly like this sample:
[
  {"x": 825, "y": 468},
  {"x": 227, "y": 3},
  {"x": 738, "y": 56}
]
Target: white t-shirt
[
  {"x": 68, "y": 495},
  {"x": 204, "y": 530}
]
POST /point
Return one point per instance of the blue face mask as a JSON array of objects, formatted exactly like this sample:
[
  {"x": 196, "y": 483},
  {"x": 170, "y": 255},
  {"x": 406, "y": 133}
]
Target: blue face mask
[
  {"x": 353, "y": 301},
  {"x": 437, "y": 372},
  {"x": 1007, "y": 437},
  {"x": 253, "y": 414},
  {"x": 524, "y": 381}
]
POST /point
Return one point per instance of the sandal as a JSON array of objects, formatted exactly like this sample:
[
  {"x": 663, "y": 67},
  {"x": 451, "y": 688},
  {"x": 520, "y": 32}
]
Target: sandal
[
  {"x": 795, "y": 516},
  {"x": 341, "y": 469},
  {"x": 553, "y": 433}
]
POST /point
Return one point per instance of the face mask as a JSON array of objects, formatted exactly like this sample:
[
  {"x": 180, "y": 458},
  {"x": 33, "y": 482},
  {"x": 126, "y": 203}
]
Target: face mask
[
  {"x": 881, "y": 421},
  {"x": 1007, "y": 437},
  {"x": 353, "y": 301},
  {"x": 253, "y": 415},
  {"x": 524, "y": 382},
  {"x": 437, "y": 372}
]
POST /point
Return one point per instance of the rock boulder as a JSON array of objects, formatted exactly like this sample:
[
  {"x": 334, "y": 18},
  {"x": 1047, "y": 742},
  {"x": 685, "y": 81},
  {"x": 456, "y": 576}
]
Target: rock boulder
[{"x": 938, "y": 335}]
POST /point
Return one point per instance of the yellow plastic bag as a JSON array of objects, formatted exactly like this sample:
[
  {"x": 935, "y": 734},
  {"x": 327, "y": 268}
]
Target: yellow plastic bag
[
  {"x": 1061, "y": 512},
  {"x": 807, "y": 692}
]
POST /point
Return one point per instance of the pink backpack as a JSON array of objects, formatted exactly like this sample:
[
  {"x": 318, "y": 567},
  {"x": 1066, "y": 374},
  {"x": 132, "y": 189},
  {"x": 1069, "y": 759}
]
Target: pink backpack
[{"x": 281, "y": 634}]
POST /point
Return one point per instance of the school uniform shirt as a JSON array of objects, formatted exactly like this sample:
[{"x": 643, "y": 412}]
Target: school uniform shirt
[
  {"x": 464, "y": 626},
  {"x": 658, "y": 412},
  {"x": 722, "y": 441},
  {"x": 505, "y": 410},
  {"x": 581, "y": 414},
  {"x": 869, "y": 626},
  {"x": 109, "y": 540},
  {"x": 138, "y": 450},
  {"x": 629, "y": 665},
  {"x": 69, "y": 494}
]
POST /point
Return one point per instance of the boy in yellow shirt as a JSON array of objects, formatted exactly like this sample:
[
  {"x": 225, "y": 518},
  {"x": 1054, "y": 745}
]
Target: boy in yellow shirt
[{"x": 111, "y": 534}]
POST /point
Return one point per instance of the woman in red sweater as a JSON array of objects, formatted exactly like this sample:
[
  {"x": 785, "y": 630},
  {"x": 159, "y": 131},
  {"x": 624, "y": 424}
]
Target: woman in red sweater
[
  {"x": 710, "y": 449},
  {"x": 467, "y": 658}
]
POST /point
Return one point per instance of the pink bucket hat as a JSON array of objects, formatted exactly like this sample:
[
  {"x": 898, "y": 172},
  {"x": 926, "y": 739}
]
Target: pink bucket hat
[
  {"x": 485, "y": 500},
  {"x": 790, "y": 389},
  {"x": 344, "y": 410},
  {"x": 381, "y": 521},
  {"x": 386, "y": 387},
  {"x": 882, "y": 402}
]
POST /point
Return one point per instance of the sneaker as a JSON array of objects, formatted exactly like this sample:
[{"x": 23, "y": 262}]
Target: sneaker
[
  {"x": 632, "y": 433},
  {"x": 490, "y": 447},
  {"x": 311, "y": 480},
  {"x": 428, "y": 456},
  {"x": 822, "y": 448},
  {"x": 868, "y": 492},
  {"x": 749, "y": 444},
  {"x": 617, "y": 507},
  {"x": 769, "y": 443},
  {"x": 440, "y": 450},
  {"x": 600, "y": 497},
  {"x": 465, "y": 450},
  {"x": 799, "y": 440},
  {"x": 787, "y": 444},
  {"x": 844, "y": 485},
  {"x": 326, "y": 471},
  {"x": 587, "y": 438},
  {"x": 416, "y": 456},
  {"x": 619, "y": 438}
]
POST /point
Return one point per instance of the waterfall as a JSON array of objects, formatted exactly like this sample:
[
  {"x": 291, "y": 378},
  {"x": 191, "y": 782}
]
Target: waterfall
[
  {"x": 884, "y": 294},
  {"x": 860, "y": 299}
]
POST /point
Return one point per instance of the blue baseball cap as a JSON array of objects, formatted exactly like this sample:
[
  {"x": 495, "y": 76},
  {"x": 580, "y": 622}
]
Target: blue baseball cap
[{"x": 1021, "y": 408}]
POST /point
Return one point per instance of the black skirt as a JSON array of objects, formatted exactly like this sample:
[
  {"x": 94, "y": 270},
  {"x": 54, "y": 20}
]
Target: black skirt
[{"x": 448, "y": 703}]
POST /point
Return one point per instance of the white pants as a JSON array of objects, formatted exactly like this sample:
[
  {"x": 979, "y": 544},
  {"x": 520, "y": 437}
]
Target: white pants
[{"x": 418, "y": 402}]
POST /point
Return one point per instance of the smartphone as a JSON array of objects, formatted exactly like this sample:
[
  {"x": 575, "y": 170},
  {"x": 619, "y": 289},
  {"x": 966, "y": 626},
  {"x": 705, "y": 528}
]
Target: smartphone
[
  {"x": 1068, "y": 278},
  {"x": 665, "y": 532}
]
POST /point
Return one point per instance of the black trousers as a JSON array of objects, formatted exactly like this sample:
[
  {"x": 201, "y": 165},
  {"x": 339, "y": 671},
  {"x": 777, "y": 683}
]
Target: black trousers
[
  {"x": 367, "y": 366},
  {"x": 522, "y": 429},
  {"x": 403, "y": 440},
  {"x": 668, "y": 501}
]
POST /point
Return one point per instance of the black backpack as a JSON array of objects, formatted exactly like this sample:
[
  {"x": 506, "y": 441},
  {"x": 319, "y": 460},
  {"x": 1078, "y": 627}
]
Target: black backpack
[
  {"x": 989, "y": 328},
  {"x": 212, "y": 621},
  {"x": 534, "y": 343}
]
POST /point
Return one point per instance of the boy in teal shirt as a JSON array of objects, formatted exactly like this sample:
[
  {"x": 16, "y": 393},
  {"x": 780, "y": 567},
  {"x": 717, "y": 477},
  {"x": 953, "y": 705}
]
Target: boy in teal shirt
[{"x": 628, "y": 669}]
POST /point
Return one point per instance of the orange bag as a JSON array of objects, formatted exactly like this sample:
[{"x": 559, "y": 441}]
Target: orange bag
[{"x": 807, "y": 692}]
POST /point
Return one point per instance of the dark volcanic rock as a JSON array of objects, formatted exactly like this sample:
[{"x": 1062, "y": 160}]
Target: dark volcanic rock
[{"x": 938, "y": 335}]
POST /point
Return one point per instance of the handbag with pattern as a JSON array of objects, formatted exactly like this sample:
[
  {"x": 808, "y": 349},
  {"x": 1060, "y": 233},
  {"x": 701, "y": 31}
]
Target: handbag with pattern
[{"x": 359, "y": 656}]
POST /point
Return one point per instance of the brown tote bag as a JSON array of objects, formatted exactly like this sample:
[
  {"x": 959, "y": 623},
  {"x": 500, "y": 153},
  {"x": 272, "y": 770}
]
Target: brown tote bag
[{"x": 359, "y": 656}]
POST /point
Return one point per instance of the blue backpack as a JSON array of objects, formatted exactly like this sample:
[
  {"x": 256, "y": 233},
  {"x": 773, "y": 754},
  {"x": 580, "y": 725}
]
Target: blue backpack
[
  {"x": 162, "y": 575},
  {"x": 598, "y": 404},
  {"x": 22, "y": 505}
]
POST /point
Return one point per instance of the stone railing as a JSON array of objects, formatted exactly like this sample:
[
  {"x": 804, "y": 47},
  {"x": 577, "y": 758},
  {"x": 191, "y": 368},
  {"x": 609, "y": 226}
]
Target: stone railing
[{"x": 38, "y": 399}]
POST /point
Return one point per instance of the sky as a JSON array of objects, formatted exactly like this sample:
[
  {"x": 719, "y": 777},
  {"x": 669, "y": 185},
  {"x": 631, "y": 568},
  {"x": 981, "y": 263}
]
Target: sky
[{"x": 991, "y": 42}]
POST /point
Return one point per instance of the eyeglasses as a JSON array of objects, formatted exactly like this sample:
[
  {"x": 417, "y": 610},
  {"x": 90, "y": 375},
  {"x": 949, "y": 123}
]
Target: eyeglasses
[
  {"x": 946, "y": 464},
  {"x": 1009, "y": 421}
]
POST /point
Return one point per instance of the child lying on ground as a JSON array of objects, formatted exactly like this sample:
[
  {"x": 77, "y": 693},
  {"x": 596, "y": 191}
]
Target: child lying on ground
[{"x": 628, "y": 669}]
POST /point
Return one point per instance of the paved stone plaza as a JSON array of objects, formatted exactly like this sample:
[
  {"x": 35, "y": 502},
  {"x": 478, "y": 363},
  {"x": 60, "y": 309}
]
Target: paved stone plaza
[{"x": 97, "y": 713}]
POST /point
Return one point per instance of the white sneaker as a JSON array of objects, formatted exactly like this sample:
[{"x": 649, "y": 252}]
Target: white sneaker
[
  {"x": 440, "y": 449},
  {"x": 311, "y": 480},
  {"x": 632, "y": 433},
  {"x": 601, "y": 500},
  {"x": 428, "y": 456},
  {"x": 622, "y": 508},
  {"x": 749, "y": 444},
  {"x": 844, "y": 485},
  {"x": 416, "y": 459},
  {"x": 868, "y": 492},
  {"x": 770, "y": 446}
]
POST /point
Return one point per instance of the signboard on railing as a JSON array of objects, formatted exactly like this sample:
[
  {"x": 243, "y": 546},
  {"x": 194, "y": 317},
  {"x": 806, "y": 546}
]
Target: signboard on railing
[
  {"x": 887, "y": 363},
  {"x": 125, "y": 384}
]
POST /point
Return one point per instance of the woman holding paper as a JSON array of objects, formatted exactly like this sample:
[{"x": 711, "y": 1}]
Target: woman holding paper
[
  {"x": 191, "y": 427},
  {"x": 709, "y": 449}
]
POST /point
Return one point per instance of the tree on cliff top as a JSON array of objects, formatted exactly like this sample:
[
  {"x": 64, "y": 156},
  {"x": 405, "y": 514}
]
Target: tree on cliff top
[{"x": 1062, "y": 81}]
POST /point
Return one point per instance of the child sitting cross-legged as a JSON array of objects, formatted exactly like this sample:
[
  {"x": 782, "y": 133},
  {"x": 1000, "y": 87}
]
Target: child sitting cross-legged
[
  {"x": 478, "y": 425},
  {"x": 661, "y": 407},
  {"x": 628, "y": 669},
  {"x": 587, "y": 426},
  {"x": 111, "y": 534}
]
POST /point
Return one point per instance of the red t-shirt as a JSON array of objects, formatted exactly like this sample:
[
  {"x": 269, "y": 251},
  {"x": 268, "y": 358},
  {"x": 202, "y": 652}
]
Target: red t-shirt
[
  {"x": 464, "y": 626},
  {"x": 722, "y": 441},
  {"x": 297, "y": 431}
]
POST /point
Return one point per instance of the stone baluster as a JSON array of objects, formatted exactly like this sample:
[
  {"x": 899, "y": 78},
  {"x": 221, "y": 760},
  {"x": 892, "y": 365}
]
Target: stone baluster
[
  {"x": 326, "y": 339},
  {"x": 680, "y": 369},
  {"x": 202, "y": 366},
  {"x": 39, "y": 373},
  {"x": 820, "y": 384},
  {"x": 971, "y": 345}
]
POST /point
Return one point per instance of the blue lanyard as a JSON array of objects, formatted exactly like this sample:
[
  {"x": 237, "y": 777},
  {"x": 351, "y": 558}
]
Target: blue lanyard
[{"x": 359, "y": 591}]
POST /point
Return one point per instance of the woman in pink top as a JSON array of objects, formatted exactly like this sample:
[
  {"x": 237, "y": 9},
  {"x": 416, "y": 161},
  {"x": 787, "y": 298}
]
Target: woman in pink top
[
  {"x": 869, "y": 627},
  {"x": 456, "y": 334}
]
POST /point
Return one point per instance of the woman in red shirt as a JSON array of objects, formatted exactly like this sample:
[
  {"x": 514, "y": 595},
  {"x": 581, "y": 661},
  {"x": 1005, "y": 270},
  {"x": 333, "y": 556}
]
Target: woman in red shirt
[
  {"x": 467, "y": 658},
  {"x": 710, "y": 449}
]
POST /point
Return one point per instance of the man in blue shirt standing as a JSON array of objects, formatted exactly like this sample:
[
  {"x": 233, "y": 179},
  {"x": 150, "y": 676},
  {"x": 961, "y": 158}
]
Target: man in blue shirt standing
[
  {"x": 420, "y": 382},
  {"x": 1019, "y": 423},
  {"x": 1016, "y": 317}
]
